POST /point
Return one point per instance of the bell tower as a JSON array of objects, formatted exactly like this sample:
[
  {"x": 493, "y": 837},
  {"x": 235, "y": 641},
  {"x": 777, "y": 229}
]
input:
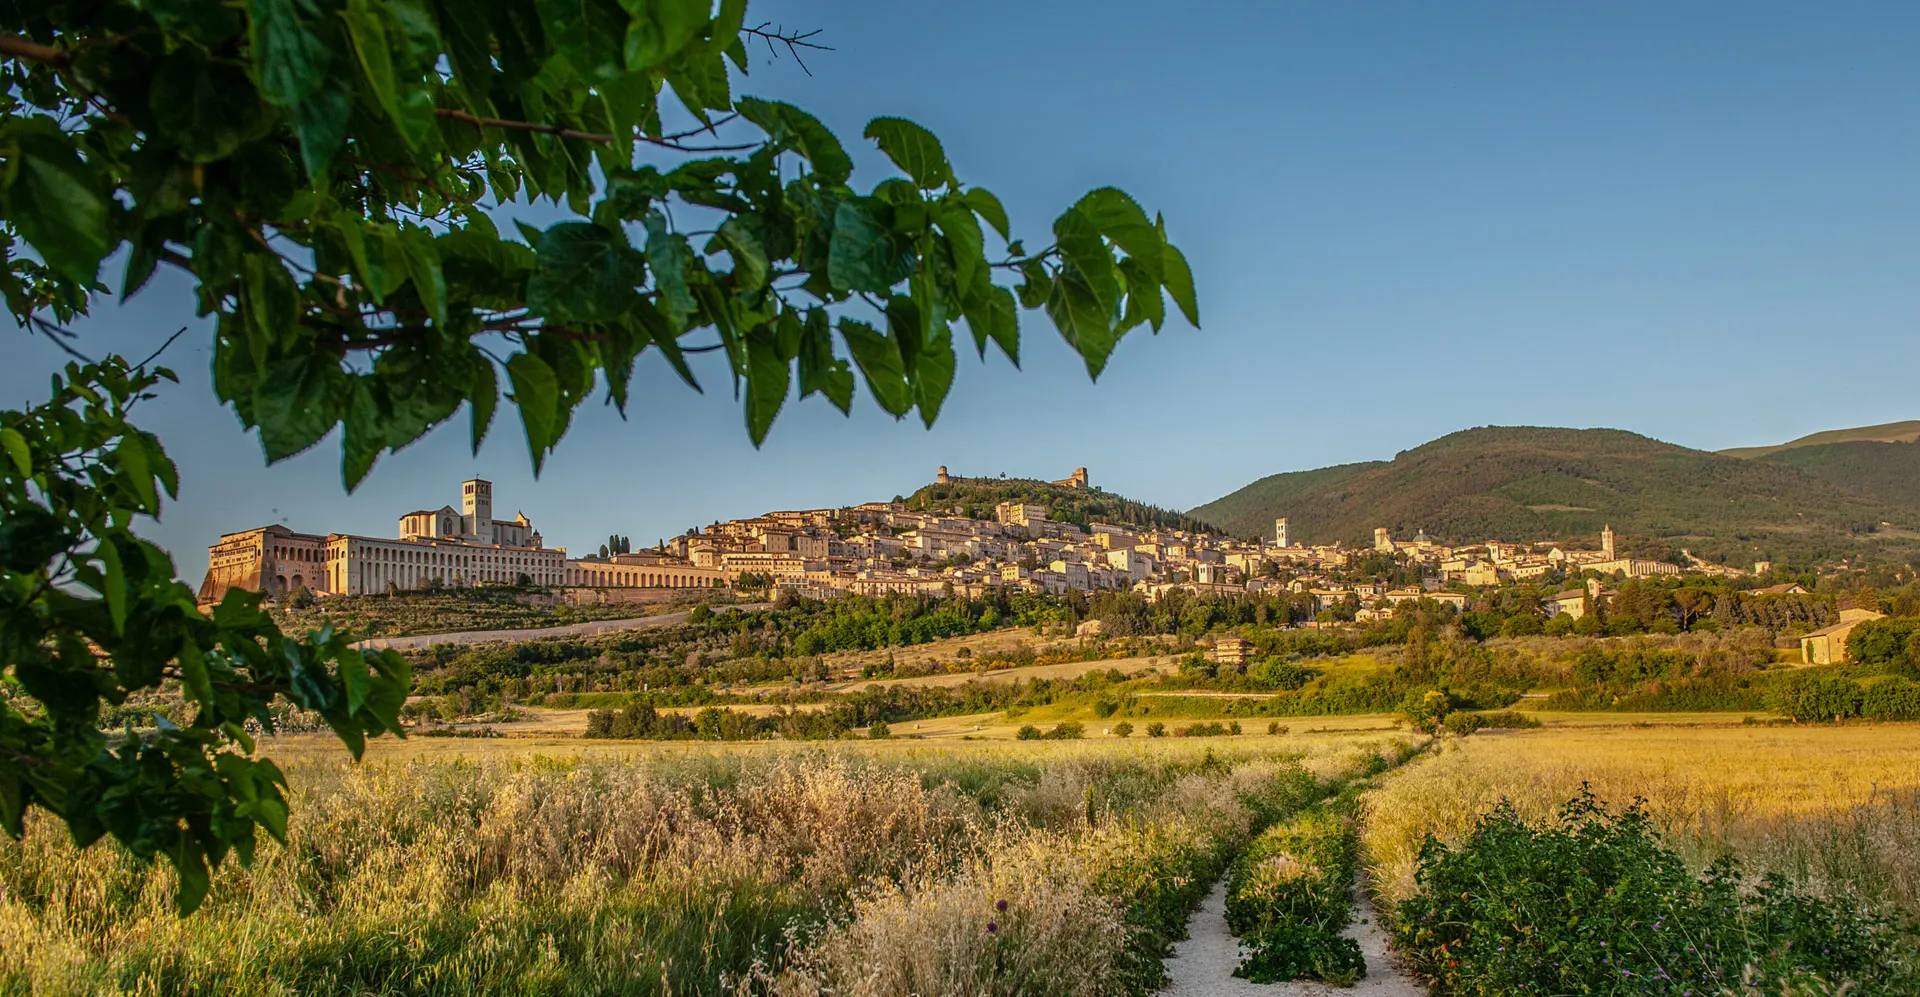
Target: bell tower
[
  {"x": 476, "y": 509},
  {"x": 1606, "y": 541}
]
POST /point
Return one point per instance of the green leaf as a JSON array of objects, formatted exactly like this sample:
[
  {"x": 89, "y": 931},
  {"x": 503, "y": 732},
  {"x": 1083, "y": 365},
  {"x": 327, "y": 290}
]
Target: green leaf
[
  {"x": 537, "y": 392},
  {"x": 191, "y": 865},
  {"x": 963, "y": 234},
  {"x": 820, "y": 370},
  {"x": 289, "y": 61},
  {"x": 749, "y": 258},
  {"x": 661, "y": 29},
  {"x": 1037, "y": 285},
  {"x": 1178, "y": 280},
  {"x": 206, "y": 108},
  {"x": 1084, "y": 250},
  {"x": 912, "y": 148},
  {"x": 589, "y": 34},
  {"x": 933, "y": 374},
  {"x": 584, "y": 273},
  {"x": 1084, "y": 321},
  {"x": 1118, "y": 217},
  {"x": 767, "y": 381},
  {"x": 423, "y": 268},
  {"x": 16, "y": 448},
  {"x": 115, "y": 584},
  {"x": 320, "y": 123},
  {"x": 297, "y": 402},
  {"x": 669, "y": 256},
  {"x": 195, "y": 680},
  {"x": 700, "y": 81},
  {"x": 56, "y": 200},
  {"x": 1144, "y": 302},
  {"x": 879, "y": 360},
  {"x": 791, "y": 128},
  {"x": 484, "y": 396},
  {"x": 863, "y": 254},
  {"x": 987, "y": 206},
  {"x": 996, "y": 317}
]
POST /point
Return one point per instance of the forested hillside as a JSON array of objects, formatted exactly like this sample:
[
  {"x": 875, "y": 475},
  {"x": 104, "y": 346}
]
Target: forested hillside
[
  {"x": 1530, "y": 483},
  {"x": 976, "y": 497},
  {"x": 1881, "y": 472}
]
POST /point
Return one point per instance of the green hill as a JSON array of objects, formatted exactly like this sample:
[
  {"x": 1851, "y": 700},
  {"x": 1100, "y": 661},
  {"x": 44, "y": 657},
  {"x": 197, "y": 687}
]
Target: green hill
[
  {"x": 977, "y": 497},
  {"x": 1528, "y": 483},
  {"x": 1892, "y": 432},
  {"x": 1888, "y": 473}
]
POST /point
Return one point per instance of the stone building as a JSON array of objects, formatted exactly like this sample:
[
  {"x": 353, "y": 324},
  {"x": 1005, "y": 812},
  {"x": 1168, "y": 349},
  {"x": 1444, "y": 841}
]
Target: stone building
[{"x": 437, "y": 547}]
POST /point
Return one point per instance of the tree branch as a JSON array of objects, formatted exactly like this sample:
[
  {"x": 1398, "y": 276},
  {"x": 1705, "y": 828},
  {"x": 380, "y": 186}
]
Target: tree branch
[{"x": 20, "y": 48}]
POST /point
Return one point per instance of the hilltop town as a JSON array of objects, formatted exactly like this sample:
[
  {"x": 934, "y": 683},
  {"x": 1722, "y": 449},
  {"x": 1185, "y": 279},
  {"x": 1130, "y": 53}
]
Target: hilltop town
[{"x": 888, "y": 548}]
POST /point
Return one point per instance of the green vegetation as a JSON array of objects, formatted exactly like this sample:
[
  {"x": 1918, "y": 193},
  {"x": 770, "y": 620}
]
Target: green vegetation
[
  {"x": 1289, "y": 896},
  {"x": 1887, "y": 473},
  {"x": 1595, "y": 903},
  {"x": 977, "y": 497},
  {"x": 327, "y": 176},
  {"x": 1526, "y": 483}
]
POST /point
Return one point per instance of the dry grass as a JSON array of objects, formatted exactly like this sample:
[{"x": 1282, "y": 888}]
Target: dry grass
[
  {"x": 450, "y": 866},
  {"x": 1837, "y": 808}
]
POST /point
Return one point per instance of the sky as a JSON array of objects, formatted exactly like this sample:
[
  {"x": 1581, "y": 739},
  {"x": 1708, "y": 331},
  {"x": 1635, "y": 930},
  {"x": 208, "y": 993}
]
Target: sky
[{"x": 1695, "y": 221}]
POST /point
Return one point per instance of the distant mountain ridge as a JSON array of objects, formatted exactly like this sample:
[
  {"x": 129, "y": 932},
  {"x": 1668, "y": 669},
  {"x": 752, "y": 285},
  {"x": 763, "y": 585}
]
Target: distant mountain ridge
[
  {"x": 1532, "y": 483},
  {"x": 1891, "y": 432}
]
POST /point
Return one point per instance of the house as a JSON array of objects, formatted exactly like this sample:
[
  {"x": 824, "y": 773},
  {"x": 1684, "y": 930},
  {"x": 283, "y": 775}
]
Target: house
[
  {"x": 1571, "y": 603},
  {"x": 1789, "y": 588},
  {"x": 1828, "y": 645},
  {"x": 1230, "y": 651}
]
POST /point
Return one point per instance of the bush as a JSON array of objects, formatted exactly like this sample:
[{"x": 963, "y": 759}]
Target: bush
[
  {"x": 1461, "y": 723},
  {"x": 1029, "y": 732},
  {"x": 1815, "y": 695},
  {"x": 1288, "y": 897},
  {"x": 1071, "y": 730},
  {"x": 1508, "y": 718},
  {"x": 1156, "y": 729},
  {"x": 879, "y": 730},
  {"x": 1274, "y": 728},
  {"x": 1594, "y": 903},
  {"x": 1122, "y": 729},
  {"x": 1890, "y": 698}
]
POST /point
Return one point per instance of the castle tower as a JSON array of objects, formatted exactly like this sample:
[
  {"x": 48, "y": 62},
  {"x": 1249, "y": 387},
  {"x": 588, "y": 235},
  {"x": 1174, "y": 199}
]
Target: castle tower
[
  {"x": 1381, "y": 541},
  {"x": 1606, "y": 541},
  {"x": 1280, "y": 532},
  {"x": 1079, "y": 477},
  {"x": 476, "y": 509},
  {"x": 941, "y": 478}
]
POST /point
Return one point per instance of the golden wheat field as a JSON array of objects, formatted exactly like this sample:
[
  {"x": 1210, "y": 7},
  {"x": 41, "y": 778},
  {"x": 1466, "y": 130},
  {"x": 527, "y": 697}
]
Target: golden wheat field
[
  {"x": 460, "y": 867},
  {"x": 1836, "y": 808}
]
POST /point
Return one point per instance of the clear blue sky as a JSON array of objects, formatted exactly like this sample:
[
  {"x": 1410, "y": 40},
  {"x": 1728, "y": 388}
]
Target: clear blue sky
[{"x": 1696, "y": 221}]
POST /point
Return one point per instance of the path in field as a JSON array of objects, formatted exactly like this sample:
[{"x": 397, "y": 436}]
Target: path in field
[
  {"x": 1202, "y": 966},
  {"x": 533, "y": 633}
]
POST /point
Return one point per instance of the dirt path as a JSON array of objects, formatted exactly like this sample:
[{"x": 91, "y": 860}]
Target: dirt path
[
  {"x": 534, "y": 633},
  {"x": 1202, "y": 966}
]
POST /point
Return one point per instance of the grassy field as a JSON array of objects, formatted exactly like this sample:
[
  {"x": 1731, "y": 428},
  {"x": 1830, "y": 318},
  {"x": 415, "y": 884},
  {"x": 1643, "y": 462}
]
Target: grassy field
[
  {"x": 1836, "y": 808},
  {"x": 463, "y": 866}
]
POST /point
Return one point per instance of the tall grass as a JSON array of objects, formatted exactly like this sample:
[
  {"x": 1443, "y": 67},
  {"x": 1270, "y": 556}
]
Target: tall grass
[
  {"x": 1836, "y": 809},
  {"x": 857, "y": 869}
]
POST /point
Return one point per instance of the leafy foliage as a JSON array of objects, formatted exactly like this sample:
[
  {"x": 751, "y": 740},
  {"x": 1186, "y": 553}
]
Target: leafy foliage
[
  {"x": 1595, "y": 904},
  {"x": 90, "y": 615},
  {"x": 326, "y": 172}
]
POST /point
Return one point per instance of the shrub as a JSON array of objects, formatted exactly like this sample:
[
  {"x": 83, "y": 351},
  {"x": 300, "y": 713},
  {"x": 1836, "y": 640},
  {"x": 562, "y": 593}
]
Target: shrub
[
  {"x": 1122, "y": 729},
  {"x": 1288, "y": 897},
  {"x": 1069, "y": 731},
  {"x": 1156, "y": 729},
  {"x": 879, "y": 730},
  {"x": 1815, "y": 695},
  {"x": 1461, "y": 723},
  {"x": 1274, "y": 727},
  {"x": 1594, "y": 903},
  {"x": 1029, "y": 732},
  {"x": 1508, "y": 718},
  {"x": 1890, "y": 698}
]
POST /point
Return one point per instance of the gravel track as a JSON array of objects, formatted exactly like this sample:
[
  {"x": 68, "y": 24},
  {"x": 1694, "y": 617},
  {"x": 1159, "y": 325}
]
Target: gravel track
[{"x": 1202, "y": 966}]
